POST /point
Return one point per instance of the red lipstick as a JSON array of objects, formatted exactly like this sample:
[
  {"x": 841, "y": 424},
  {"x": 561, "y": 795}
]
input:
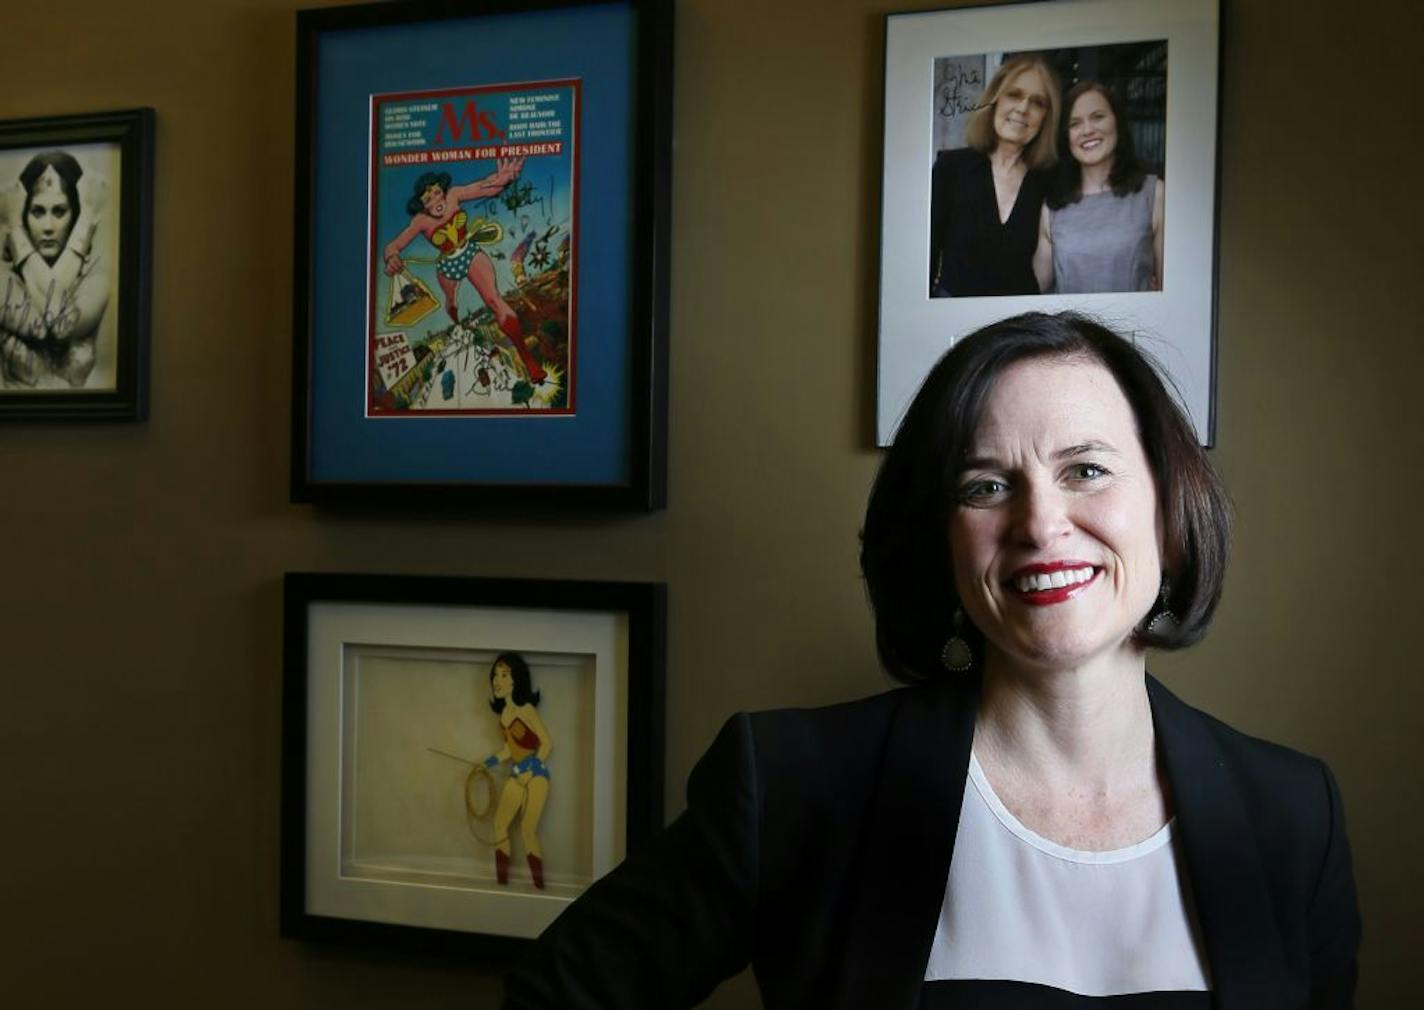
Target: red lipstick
[{"x": 1058, "y": 594}]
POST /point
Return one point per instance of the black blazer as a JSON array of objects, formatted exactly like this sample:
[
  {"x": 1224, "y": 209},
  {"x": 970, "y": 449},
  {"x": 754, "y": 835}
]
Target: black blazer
[{"x": 816, "y": 845}]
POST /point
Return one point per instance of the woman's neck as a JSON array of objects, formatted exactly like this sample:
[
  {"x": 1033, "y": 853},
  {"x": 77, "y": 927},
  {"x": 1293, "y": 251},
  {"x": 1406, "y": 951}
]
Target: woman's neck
[
  {"x": 1097, "y": 178},
  {"x": 1088, "y": 726},
  {"x": 1006, "y": 157}
]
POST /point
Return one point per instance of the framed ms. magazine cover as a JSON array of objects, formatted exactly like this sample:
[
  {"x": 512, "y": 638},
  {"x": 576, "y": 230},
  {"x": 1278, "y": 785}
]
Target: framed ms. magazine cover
[
  {"x": 468, "y": 184},
  {"x": 481, "y": 254}
]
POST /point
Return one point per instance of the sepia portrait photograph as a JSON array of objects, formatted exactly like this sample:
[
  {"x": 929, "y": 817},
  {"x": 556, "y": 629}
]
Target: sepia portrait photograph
[
  {"x": 75, "y": 219},
  {"x": 59, "y": 255}
]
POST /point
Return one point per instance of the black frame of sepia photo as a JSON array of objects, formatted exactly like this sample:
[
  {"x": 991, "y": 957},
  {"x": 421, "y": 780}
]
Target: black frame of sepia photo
[
  {"x": 609, "y": 455},
  {"x": 621, "y": 626},
  {"x": 131, "y": 131},
  {"x": 1176, "y": 322}
]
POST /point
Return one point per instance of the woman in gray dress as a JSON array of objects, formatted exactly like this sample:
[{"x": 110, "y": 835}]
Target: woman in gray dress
[{"x": 1101, "y": 226}]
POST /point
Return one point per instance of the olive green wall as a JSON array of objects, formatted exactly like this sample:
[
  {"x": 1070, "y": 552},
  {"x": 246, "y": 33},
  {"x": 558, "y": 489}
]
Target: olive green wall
[{"x": 141, "y": 608}]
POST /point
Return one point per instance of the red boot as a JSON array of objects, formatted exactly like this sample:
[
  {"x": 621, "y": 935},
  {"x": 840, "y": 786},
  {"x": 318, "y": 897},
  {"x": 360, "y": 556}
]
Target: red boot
[
  {"x": 536, "y": 870},
  {"x": 515, "y": 333},
  {"x": 501, "y": 866}
]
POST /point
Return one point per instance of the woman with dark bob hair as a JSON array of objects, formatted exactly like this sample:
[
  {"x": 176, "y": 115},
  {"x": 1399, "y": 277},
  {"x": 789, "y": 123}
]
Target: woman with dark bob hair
[
  {"x": 1033, "y": 822},
  {"x": 905, "y": 542},
  {"x": 1101, "y": 228}
]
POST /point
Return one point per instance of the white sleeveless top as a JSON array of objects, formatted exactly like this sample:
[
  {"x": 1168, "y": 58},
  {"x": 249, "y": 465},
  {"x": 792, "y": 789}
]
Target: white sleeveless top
[{"x": 1020, "y": 907}]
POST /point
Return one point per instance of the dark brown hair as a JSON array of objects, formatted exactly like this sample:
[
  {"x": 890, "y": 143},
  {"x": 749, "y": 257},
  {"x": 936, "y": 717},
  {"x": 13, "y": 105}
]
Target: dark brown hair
[
  {"x": 523, "y": 693},
  {"x": 415, "y": 205},
  {"x": 1127, "y": 173},
  {"x": 905, "y": 555},
  {"x": 66, "y": 168}
]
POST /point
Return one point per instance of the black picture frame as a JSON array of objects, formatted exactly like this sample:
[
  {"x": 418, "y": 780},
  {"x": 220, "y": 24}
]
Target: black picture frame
[
  {"x": 356, "y": 442},
  {"x": 102, "y": 375},
  {"x": 347, "y": 635}
]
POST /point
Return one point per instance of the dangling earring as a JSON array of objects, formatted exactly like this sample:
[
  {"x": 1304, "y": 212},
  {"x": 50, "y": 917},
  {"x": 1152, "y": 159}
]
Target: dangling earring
[
  {"x": 956, "y": 656},
  {"x": 1163, "y": 622}
]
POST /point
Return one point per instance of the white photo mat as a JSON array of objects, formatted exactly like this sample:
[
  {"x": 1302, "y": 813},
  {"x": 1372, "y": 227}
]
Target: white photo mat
[
  {"x": 1177, "y": 324},
  {"x": 407, "y": 858}
]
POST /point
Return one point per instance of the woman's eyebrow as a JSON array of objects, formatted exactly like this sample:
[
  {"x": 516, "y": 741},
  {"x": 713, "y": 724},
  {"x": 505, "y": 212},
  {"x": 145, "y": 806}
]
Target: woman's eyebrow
[
  {"x": 1084, "y": 449},
  {"x": 1079, "y": 449},
  {"x": 979, "y": 463}
]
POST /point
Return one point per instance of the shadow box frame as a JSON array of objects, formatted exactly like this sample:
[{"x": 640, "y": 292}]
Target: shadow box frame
[
  {"x": 605, "y": 449},
  {"x": 351, "y": 641},
  {"x": 1176, "y": 324},
  {"x": 131, "y": 133}
]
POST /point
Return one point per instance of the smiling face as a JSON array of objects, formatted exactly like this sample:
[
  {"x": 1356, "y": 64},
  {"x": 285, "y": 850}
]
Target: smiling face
[
  {"x": 433, "y": 200},
  {"x": 1020, "y": 108},
  {"x": 501, "y": 681},
  {"x": 1092, "y": 129},
  {"x": 49, "y": 218},
  {"x": 1056, "y": 537}
]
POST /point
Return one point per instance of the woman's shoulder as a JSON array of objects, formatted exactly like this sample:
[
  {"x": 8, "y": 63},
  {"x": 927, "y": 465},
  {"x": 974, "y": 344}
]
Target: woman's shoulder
[
  {"x": 799, "y": 742},
  {"x": 812, "y": 769},
  {"x": 862, "y": 716},
  {"x": 960, "y": 160},
  {"x": 1271, "y": 776},
  {"x": 1236, "y": 794}
]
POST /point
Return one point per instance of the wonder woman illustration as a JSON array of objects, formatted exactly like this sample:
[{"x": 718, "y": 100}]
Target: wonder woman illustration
[
  {"x": 526, "y": 747},
  {"x": 436, "y": 212}
]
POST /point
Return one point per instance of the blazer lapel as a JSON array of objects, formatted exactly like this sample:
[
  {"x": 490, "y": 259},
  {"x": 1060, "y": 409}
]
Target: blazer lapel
[
  {"x": 907, "y": 846},
  {"x": 1228, "y": 881}
]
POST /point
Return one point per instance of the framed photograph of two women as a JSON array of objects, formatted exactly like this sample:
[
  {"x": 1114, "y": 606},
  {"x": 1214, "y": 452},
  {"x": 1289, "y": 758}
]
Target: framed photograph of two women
[
  {"x": 1047, "y": 156},
  {"x": 462, "y": 757},
  {"x": 482, "y": 254},
  {"x": 76, "y": 213}
]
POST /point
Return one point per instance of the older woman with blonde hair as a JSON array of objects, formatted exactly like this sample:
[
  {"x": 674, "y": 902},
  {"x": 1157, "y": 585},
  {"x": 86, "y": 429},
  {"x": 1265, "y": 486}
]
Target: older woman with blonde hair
[{"x": 987, "y": 197}]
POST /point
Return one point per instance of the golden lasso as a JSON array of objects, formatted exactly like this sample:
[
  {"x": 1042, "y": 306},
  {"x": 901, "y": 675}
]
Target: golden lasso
[
  {"x": 476, "y": 811},
  {"x": 480, "y": 779}
]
